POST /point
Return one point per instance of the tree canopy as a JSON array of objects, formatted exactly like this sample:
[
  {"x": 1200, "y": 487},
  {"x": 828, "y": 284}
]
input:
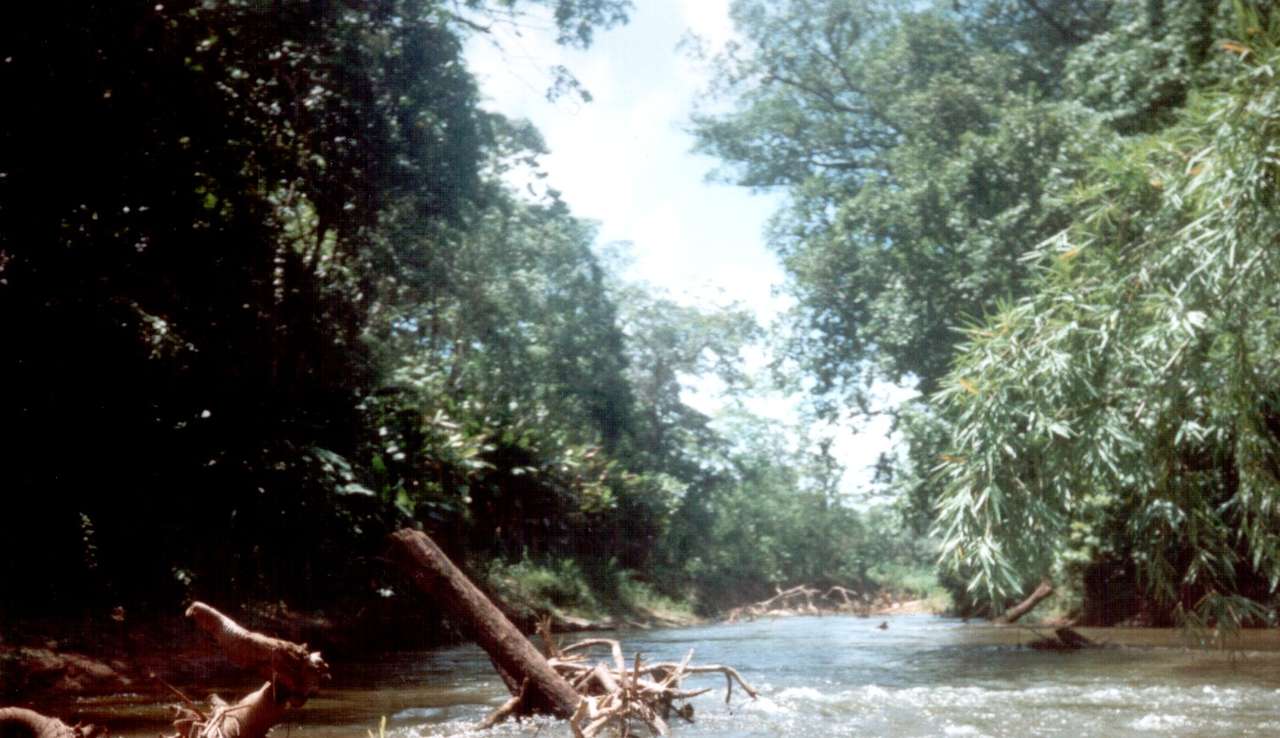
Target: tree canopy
[{"x": 915, "y": 159}]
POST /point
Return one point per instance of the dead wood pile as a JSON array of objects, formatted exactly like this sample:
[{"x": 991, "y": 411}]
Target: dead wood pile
[
  {"x": 803, "y": 600},
  {"x": 292, "y": 671}
]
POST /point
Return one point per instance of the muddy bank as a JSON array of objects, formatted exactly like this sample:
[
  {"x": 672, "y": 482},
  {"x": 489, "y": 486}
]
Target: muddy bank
[
  {"x": 42, "y": 670},
  {"x": 127, "y": 652}
]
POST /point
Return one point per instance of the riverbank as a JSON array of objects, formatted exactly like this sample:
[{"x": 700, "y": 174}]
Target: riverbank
[
  {"x": 125, "y": 651},
  {"x": 819, "y": 677}
]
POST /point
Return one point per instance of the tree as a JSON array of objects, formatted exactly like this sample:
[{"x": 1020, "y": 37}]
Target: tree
[
  {"x": 510, "y": 400},
  {"x": 916, "y": 161},
  {"x": 922, "y": 149},
  {"x": 1129, "y": 393},
  {"x": 670, "y": 345},
  {"x": 924, "y": 152}
]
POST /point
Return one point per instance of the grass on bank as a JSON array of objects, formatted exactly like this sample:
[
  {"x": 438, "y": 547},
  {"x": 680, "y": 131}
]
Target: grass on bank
[
  {"x": 567, "y": 588},
  {"x": 912, "y": 582}
]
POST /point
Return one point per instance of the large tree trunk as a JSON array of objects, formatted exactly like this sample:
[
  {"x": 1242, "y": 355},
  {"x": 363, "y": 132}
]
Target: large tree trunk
[
  {"x": 252, "y": 717},
  {"x": 1022, "y": 608},
  {"x": 292, "y": 665},
  {"x": 512, "y": 654}
]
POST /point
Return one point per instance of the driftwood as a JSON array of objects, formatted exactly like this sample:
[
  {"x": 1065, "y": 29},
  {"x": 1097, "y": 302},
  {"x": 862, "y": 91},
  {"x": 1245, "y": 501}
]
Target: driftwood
[
  {"x": 1065, "y": 639},
  {"x": 791, "y": 595},
  {"x": 252, "y": 717},
  {"x": 294, "y": 674},
  {"x": 562, "y": 681},
  {"x": 1022, "y": 608},
  {"x": 291, "y": 670},
  {"x": 19, "y": 722},
  {"x": 848, "y": 597},
  {"x": 805, "y": 600},
  {"x": 294, "y": 666},
  {"x": 615, "y": 694},
  {"x": 784, "y": 602}
]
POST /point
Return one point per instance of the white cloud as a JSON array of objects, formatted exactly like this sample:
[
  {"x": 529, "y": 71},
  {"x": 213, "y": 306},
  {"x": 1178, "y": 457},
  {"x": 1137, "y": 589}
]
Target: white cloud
[{"x": 708, "y": 19}]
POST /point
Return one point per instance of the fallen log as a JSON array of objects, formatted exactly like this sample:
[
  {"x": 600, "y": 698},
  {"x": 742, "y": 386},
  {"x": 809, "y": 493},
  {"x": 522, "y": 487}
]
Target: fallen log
[
  {"x": 515, "y": 658},
  {"x": 294, "y": 674},
  {"x": 19, "y": 722},
  {"x": 290, "y": 664},
  {"x": 563, "y": 682},
  {"x": 1022, "y": 608}
]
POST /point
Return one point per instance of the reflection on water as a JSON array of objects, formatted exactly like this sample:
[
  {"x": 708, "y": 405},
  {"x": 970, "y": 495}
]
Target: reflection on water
[{"x": 840, "y": 677}]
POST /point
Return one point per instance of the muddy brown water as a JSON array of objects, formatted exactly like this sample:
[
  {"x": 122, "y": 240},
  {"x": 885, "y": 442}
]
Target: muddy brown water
[{"x": 834, "y": 676}]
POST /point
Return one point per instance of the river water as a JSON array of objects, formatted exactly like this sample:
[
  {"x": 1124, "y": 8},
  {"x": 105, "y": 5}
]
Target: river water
[{"x": 842, "y": 676}]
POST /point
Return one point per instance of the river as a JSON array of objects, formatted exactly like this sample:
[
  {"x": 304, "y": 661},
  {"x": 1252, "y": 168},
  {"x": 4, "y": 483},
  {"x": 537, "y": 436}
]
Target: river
[{"x": 840, "y": 676}]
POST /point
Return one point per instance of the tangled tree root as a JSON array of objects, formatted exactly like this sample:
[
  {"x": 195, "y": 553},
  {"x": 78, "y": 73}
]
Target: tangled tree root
[
  {"x": 613, "y": 694},
  {"x": 645, "y": 693}
]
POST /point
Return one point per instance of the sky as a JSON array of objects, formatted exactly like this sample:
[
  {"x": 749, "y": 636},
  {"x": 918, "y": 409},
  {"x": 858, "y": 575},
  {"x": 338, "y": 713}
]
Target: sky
[{"x": 624, "y": 160}]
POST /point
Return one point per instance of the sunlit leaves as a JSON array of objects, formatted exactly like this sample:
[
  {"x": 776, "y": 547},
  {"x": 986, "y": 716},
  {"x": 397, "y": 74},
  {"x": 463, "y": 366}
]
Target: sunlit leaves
[
  {"x": 918, "y": 163},
  {"x": 1137, "y": 370}
]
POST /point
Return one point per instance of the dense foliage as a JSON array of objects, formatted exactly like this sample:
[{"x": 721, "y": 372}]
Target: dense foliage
[
  {"x": 267, "y": 293},
  {"x": 206, "y": 212},
  {"x": 1131, "y": 389}
]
